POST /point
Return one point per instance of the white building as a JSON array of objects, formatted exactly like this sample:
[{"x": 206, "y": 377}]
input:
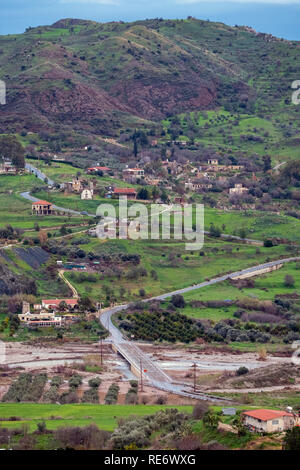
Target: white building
[
  {"x": 238, "y": 189},
  {"x": 87, "y": 194},
  {"x": 264, "y": 420}
]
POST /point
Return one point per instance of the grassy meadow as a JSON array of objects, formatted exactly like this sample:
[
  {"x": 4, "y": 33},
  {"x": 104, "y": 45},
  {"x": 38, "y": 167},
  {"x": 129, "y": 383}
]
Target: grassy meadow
[{"x": 104, "y": 416}]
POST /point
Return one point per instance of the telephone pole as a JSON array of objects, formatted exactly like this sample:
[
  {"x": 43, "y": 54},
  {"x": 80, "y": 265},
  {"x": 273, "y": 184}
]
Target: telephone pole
[
  {"x": 101, "y": 352},
  {"x": 141, "y": 369},
  {"x": 195, "y": 376}
]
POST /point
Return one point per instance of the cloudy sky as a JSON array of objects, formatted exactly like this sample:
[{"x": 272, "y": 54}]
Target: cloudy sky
[{"x": 279, "y": 17}]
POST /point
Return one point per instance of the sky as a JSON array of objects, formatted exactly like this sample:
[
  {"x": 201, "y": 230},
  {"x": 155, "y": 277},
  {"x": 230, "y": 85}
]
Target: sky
[{"x": 278, "y": 17}]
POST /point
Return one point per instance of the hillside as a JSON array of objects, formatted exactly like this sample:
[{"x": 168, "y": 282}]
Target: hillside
[{"x": 95, "y": 78}]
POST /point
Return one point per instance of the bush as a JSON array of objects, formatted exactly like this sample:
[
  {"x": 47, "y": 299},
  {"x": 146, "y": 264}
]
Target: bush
[
  {"x": 52, "y": 395},
  {"x": 95, "y": 383},
  {"x": 292, "y": 439},
  {"x": 68, "y": 398},
  {"x": 89, "y": 437},
  {"x": 75, "y": 381},
  {"x": 199, "y": 410},
  {"x": 178, "y": 301},
  {"x": 242, "y": 371},
  {"x": 161, "y": 400},
  {"x": 111, "y": 397},
  {"x": 27, "y": 388},
  {"x": 90, "y": 396},
  {"x": 289, "y": 281}
]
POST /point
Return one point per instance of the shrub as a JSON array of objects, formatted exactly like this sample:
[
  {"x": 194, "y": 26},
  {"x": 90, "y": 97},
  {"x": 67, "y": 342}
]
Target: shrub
[
  {"x": 95, "y": 382},
  {"x": 89, "y": 437},
  {"x": 112, "y": 394},
  {"x": 289, "y": 281},
  {"x": 292, "y": 439},
  {"x": 27, "y": 388},
  {"x": 178, "y": 301},
  {"x": 242, "y": 370},
  {"x": 75, "y": 381},
  {"x": 199, "y": 410},
  {"x": 68, "y": 398},
  {"x": 90, "y": 396},
  {"x": 161, "y": 400}
]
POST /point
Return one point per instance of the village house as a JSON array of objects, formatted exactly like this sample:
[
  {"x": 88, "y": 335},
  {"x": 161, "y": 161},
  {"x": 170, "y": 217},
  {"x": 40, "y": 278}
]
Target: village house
[
  {"x": 238, "y": 189},
  {"x": 74, "y": 186},
  {"x": 173, "y": 168},
  {"x": 129, "y": 192},
  {"x": 153, "y": 181},
  {"x": 96, "y": 169},
  {"x": 214, "y": 167},
  {"x": 42, "y": 208},
  {"x": 53, "y": 304},
  {"x": 133, "y": 174},
  {"x": 265, "y": 420},
  {"x": 7, "y": 168},
  {"x": 196, "y": 185},
  {"x": 42, "y": 319},
  {"x": 179, "y": 200},
  {"x": 213, "y": 161}
]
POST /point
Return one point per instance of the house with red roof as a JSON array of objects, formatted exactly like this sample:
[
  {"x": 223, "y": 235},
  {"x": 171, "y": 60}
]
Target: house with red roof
[
  {"x": 96, "y": 169},
  {"x": 53, "y": 304},
  {"x": 129, "y": 192},
  {"x": 42, "y": 208},
  {"x": 264, "y": 420}
]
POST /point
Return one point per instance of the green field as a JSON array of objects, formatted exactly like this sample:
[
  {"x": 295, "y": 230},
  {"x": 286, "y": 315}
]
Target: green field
[
  {"x": 175, "y": 267},
  {"x": 267, "y": 286},
  {"x": 258, "y": 225},
  {"x": 104, "y": 416}
]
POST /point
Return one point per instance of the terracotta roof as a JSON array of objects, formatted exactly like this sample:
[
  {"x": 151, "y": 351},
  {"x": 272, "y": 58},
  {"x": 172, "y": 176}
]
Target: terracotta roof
[
  {"x": 124, "y": 191},
  {"x": 43, "y": 203},
  {"x": 266, "y": 415},
  {"x": 56, "y": 302},
  {"x": 104, "y": 168}
]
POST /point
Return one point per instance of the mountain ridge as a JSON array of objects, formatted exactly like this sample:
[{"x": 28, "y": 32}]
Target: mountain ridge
[{"x": 101, "y": 77}]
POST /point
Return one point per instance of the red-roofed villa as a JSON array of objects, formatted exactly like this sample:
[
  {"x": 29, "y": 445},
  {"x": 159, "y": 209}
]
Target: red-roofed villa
[
  {"x": 129, "y": 192},
  {"x": 53, "y": 304},
  {"x": 264, "y": 420}
]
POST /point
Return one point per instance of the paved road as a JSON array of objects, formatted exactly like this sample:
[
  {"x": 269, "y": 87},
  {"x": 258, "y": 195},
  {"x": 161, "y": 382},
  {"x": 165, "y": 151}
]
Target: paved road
[
  {"x": 278, "y": 166},
  {"x": 35, "y": 171},
  {"x": 136, "y": 357}
]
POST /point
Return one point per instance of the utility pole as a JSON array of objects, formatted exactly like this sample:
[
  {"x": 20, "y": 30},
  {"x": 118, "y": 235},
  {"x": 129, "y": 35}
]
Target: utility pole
[
  {"x": 101, "y": 352},
  {"x": 195, "y": 376},
  {"x": 141, "y": 369}
]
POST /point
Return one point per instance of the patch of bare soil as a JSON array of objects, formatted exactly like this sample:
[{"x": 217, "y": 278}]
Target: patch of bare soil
[
  {"x": 276, "y": 375},
  {"x": 266, "y": 443}
]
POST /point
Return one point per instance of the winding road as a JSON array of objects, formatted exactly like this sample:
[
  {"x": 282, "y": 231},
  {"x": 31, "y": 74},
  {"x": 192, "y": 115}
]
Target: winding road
[
  {"x": 35, "y": 171},
  {"x": 140, "y": 361}
]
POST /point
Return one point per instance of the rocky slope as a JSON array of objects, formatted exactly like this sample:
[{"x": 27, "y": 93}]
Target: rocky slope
[{"x": 96, "y": 78}]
